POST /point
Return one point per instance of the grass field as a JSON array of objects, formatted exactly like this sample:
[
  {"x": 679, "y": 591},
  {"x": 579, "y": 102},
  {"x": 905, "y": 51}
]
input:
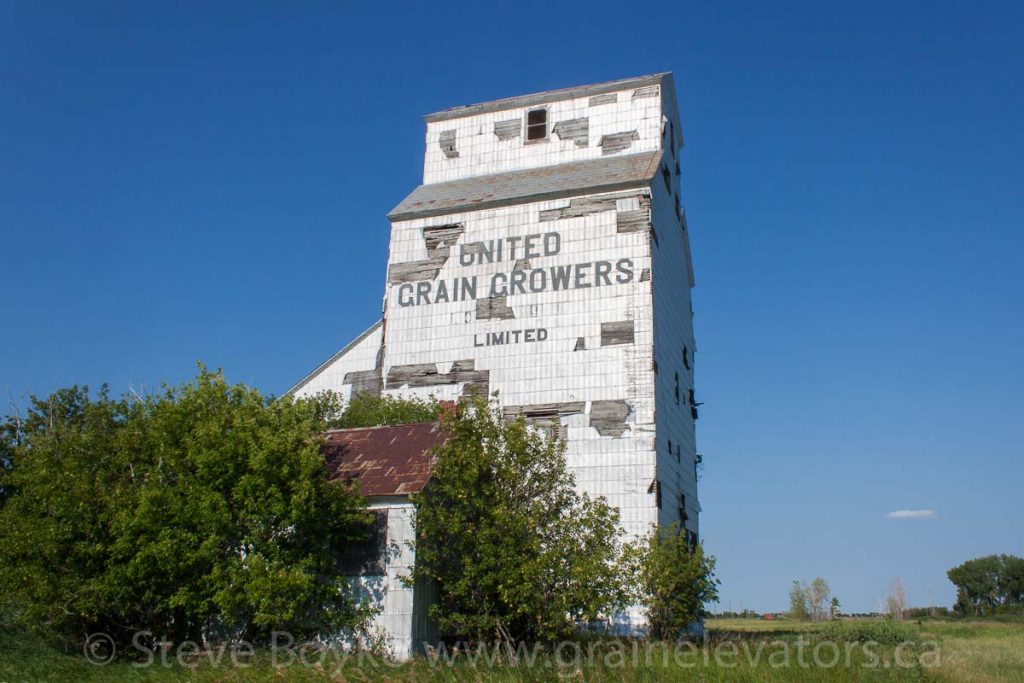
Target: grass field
[
  {"x": 973, "y": 651},
  {"x": 736, "y": 650}
]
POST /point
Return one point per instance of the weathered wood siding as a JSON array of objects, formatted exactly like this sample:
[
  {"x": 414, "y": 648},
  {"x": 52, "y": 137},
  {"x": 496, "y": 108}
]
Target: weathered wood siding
[{"x": 494, "y": 142}]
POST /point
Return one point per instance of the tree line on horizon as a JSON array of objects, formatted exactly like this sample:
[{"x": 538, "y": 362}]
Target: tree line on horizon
[{"x": 986, "y": 586}]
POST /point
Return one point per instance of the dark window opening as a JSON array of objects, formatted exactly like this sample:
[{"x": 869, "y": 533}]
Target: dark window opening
[
  {"x": 537, "y": 125},
  {"x": 676, "y": 388},
  {"x": 682, "y": 509},
  {"x": 657, "y": 494},
  {"x": 677, "y": 452},
  {"x": 367, "y": 556},
  {"x": 693, "y": 405},
  {"x": 686, "y": 357},
  {"x": 666, "y": 175}
]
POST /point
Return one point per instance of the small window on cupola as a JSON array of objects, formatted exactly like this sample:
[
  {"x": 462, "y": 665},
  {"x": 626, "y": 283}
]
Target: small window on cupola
[{"x": 536, "y": 125}]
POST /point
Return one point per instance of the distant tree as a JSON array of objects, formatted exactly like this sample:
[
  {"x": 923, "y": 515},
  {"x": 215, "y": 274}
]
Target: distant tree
[
  {"x": 818, "y": 597},
  {"x": 809, "y": 601},
  {"x": 896, "y": 601},
  {"x": 799, "y": 601},
  {"x": 10, "y": 430},
  {"x": 204, "y": 511},
  {"x": 518, "y": 554},
  {"x": 677, "y": 580},
  {"x": 988, "y": 584},
  {"x": 835, "y": 611},
  {"x": 368, "y": 410}
]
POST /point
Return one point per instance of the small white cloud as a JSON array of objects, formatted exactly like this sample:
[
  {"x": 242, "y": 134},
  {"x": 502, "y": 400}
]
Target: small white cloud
[{"x": 911, "y": 514}]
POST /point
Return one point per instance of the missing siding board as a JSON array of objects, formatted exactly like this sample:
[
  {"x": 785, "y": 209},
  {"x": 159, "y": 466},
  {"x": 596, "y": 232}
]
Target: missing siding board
[
  {"x": 546, "y": 415},
  {"x": 584, "y": 206},
  {"x": 609, "y": 417},
  {"x": 577, "y": 130},
  {"x": 412, "y": 271},
  {"x": 364, "y": 381},
  {"x": 617, "y": 142},
  {"x": 635, "y": 220},
  {"x": 621, "y": 332},
  {"x": 581, "y": 344},
  {"x": 607, "y": 98},
  {"x": 426, "y": 375},
  {"x": 438, "y": 239},
  {"x": 508, "y": 130},
  {"x": 495, "y": 307},
  {"x": 447, "y": 143},
  {"x": 473, "y": 248},
  {"x": 645, "y": 275},
  {"x": 631, "y": 221},
  {"x": 648, "y": 91},
  {"x": 545, "y": 410},
  {"x": 522, "y": 264}
]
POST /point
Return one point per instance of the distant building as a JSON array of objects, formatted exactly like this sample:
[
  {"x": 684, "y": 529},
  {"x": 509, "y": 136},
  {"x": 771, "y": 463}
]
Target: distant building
[{"x": 546, "y": 257}]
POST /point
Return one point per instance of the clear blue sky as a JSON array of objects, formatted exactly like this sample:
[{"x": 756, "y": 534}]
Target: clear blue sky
[{"x": 183, "y": 182}]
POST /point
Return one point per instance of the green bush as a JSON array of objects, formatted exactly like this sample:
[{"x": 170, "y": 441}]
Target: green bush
[
  {"x": 517, "y": 552},
  {"x": 926, "y": 612},
  {"x": 201, "y": 512},
  {"x": 883, "y": 631},
  {"x": 677, "y": 580},
  {"x": 367, "y": 410}
]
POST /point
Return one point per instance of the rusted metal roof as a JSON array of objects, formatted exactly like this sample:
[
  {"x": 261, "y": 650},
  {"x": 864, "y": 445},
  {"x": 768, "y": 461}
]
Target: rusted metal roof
[{"x": 385, "y": 461}]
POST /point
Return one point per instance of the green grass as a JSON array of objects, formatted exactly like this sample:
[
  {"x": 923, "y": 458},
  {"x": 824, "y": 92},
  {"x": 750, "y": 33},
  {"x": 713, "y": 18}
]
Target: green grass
[{"x": 970, "y": 651}]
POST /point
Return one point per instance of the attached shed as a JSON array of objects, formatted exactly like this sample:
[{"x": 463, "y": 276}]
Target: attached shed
[{"x": 389, "y": 464}]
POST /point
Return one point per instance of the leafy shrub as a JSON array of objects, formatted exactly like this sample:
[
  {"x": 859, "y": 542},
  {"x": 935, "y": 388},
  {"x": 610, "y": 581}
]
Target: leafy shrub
[
  {"x": 517, "y": 552},
  {"x": 883, "y": 631},
  {"x": 201, "y": 512},
  {"x": 367, "y": 410},
  {"x": 677, "y": 580},
  {"x": 927, "y": 612}
]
